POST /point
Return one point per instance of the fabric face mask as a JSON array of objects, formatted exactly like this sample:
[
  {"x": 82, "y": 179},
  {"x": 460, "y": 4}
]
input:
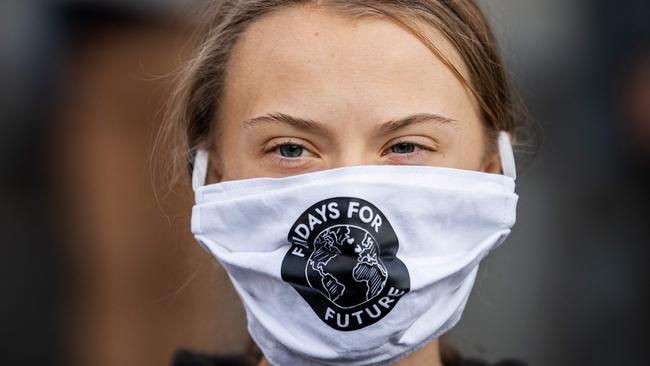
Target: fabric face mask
[{"x": 358, "y": 265}]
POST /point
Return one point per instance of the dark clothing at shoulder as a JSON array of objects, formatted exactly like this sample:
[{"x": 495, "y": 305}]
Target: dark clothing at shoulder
[{"x": 187, "y": 358}]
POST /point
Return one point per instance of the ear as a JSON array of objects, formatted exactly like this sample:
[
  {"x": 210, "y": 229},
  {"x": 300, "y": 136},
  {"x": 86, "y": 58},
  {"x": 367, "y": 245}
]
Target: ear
[
  {"x": 215, "y": 169},
  {"x": 492, "y": 164}
]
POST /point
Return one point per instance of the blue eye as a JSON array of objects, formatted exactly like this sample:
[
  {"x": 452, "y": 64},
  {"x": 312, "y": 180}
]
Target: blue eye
[
  {"x": 403, "y": 148},
  {"x": 290, "y": 150}
]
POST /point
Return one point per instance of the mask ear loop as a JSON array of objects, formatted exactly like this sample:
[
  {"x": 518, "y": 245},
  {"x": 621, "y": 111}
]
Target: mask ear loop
[
  {"x": 507, "y": 156},
  {"x": 200, "y": 168}
]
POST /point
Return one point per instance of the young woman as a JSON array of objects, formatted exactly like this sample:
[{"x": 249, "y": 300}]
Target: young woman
[{"x": 352, "y": 166}]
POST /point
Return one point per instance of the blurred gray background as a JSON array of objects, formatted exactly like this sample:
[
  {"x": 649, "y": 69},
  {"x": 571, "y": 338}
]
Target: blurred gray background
[{"x": 570, "y": 286}]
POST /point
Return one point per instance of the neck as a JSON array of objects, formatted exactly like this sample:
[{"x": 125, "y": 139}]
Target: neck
[{"x": 428, "y": 355}]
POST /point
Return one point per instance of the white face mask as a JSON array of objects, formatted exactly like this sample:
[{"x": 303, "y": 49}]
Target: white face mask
[{"x": 359, "y": 265}]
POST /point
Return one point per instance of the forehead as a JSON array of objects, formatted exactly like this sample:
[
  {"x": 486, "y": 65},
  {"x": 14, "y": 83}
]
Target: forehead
[{"x": 312, "y": 60}]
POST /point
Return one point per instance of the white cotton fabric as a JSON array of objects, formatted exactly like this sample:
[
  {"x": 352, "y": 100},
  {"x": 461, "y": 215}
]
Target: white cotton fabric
[{"x": 446, "y": 220}]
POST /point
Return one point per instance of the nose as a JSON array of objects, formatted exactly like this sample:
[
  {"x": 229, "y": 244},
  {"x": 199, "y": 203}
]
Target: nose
[{"x": 355, "y": 155}]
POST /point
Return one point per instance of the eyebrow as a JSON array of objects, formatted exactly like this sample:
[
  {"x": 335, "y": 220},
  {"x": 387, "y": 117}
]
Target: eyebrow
[{"x": 311, "y": 125}]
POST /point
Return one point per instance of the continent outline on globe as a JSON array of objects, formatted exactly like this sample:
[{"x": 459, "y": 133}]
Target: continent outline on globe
[{"x": 367, "y": 256}]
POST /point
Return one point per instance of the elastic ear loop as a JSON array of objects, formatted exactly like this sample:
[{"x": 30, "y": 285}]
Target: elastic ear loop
[
  {"x": 507, "y": 156},
  {"x": 200, "y": 168}
]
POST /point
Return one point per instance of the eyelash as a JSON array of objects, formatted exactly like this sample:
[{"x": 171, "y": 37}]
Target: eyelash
[
  {"x": 283, "y": 159},
  {"x": 276, "y": 145},
  {"x": 418, "y": 146}
]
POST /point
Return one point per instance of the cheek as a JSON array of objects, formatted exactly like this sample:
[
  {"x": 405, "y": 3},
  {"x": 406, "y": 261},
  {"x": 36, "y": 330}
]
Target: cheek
[
  {"x": 235, "y": 169},
  {"x": 230, "y": 163},
  {"x": 467, "y": 149},
  {"x": 239, "y": 165}
]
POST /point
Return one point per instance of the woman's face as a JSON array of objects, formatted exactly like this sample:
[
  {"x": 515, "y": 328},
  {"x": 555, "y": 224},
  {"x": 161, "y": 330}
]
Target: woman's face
[{"x": 308, "y": 89}]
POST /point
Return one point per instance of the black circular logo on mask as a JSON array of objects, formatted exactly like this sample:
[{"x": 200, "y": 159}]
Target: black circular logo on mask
[{"x": 343, "y": 262}]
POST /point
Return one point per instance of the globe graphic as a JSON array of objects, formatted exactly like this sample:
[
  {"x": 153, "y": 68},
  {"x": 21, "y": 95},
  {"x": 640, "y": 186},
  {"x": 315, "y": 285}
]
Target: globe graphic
[{"x": 345, "y": 266}]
